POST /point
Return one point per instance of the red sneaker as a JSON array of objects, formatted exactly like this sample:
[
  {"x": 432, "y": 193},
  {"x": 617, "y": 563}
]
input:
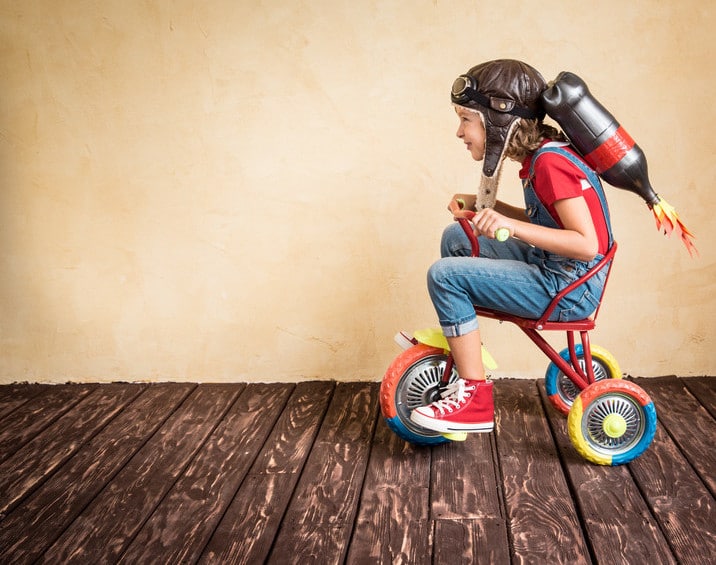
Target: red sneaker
[{"x": 465, "y": 406}]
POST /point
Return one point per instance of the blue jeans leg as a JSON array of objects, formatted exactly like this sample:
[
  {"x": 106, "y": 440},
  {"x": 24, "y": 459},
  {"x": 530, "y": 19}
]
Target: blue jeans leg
[
  {"x": 502, "y": 278},
  {"x": 510, "y": 277}
]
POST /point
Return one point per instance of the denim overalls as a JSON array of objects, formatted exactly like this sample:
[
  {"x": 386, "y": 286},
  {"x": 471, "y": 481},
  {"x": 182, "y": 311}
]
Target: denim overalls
[{"x": 523, "y": 280}]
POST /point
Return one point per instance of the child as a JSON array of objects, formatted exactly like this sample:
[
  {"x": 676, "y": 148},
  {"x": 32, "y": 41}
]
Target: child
[{"x": 562, "y": 232}]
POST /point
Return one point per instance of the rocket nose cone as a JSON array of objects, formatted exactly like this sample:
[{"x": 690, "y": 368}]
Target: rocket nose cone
[
  {"x": 567, "y": 88},
  {"x": 552, "y": 95}
]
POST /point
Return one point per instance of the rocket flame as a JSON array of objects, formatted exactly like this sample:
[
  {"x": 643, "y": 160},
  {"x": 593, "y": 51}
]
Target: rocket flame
[{"x": 668, "y": 220}]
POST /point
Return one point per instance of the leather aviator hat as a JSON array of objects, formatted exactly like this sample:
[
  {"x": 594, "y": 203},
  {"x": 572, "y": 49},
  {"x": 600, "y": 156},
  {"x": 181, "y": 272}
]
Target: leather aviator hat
[{"x": 502, "y": 91}]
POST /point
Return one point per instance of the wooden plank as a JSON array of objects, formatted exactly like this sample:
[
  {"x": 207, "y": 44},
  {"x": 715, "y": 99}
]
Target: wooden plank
[
  {"x": 247, "y": 530},
  {"x": 704, "y": 389},
  {"x": 319, "y": 520},
  {"x": 465, "y": 480},
  {"x": 38, "y": 459},
  {"x": 32, "y": 527},
  {"x": 37, "y": 413},
  {"x": 544, "y": 525},
  {"x": 680, "y": 500},
  {"x": 14, "y": 395},
  {"x": 471, "y": 541},
  {"x": 207, "y": 487},
  {"x": 467, "y": 502},
  {"x": 393, "y": 523},
  {"x": 688, "y": 422},
  {"x": 617, "y": 520},
  {"x": 102, "y": 532}
]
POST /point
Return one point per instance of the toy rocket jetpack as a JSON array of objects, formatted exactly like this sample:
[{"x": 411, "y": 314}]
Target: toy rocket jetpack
[{"x": 608, "y": 148}]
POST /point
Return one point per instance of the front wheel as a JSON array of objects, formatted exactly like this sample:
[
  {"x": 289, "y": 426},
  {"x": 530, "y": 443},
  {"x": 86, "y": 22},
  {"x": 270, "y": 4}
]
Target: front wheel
[
  {"x": 612, "y": 422},
  {"x": 411, "y": 381},
  {"x": 562, "y": 391}
]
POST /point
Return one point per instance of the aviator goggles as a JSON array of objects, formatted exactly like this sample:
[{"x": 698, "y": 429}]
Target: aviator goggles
[{"x": 464, "y": 89}]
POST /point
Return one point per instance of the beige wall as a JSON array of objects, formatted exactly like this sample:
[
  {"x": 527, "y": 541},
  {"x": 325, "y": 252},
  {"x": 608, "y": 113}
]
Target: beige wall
[{"x": 235, "y": 190}]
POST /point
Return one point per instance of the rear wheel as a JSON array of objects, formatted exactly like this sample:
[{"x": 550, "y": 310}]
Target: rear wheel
[
  {"x": 562, "y": 391},
  {"x": 411, "y": 381},
  {"x": 612, "y": 422}
]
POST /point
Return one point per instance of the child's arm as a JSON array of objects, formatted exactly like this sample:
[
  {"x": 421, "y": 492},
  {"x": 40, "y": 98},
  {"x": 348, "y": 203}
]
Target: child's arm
[
  {"x": 468, "y": 201},
  {"x": 578, "y": 240},
  {"x": 514, "y": 212}
]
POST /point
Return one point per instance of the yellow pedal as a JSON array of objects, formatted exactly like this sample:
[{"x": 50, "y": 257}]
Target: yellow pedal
[{"x": 456, "y": 436}]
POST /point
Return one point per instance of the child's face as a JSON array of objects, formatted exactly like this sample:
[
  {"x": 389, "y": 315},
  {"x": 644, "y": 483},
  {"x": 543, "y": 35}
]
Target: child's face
[{"x": 472, "y": 132}]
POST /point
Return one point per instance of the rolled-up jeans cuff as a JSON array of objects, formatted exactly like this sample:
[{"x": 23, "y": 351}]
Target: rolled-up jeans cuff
[{"x": 456, "y": 330}]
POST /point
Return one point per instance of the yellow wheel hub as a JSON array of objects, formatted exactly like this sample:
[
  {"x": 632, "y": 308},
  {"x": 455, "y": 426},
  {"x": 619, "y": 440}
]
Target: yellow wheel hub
[{"x": 614, "y": 425}]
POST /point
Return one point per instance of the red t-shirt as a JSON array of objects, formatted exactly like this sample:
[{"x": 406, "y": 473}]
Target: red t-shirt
[{"x": 556, "y": 178}]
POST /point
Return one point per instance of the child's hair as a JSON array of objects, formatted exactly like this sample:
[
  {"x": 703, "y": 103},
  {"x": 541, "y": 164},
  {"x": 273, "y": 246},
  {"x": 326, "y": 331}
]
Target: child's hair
[{"x": 528, "y": 136}]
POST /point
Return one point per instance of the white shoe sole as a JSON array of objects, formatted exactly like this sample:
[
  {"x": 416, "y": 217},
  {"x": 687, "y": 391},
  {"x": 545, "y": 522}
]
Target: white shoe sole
[{"x": 448, "y": 427}]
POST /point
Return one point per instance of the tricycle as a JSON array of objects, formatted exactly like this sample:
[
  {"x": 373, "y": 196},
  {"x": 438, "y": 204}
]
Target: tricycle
[{"x": 610, "y": 420}]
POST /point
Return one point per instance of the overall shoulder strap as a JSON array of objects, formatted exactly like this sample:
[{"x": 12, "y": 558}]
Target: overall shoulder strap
[{"x": 558, "y": 148}]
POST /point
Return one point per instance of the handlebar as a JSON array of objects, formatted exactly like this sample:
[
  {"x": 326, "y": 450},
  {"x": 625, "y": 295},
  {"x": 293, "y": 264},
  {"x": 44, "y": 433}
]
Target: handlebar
[{"x": 470, "y": 233}]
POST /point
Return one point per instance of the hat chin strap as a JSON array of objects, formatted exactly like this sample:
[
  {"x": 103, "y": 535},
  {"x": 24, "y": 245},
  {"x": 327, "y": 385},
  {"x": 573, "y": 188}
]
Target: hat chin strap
[
  {"x": 487, "y": 191},
  {"x": 486, "y": 196}
]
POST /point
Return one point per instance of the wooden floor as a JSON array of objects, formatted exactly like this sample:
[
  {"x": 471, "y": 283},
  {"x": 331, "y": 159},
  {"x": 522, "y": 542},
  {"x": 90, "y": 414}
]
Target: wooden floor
[{"x": 309, "y": 473}]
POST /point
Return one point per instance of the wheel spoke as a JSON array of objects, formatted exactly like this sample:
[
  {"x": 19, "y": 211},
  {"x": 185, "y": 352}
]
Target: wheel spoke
[
  {"x": 568, "y": 390},
  {"x": 417, "y": 386}
]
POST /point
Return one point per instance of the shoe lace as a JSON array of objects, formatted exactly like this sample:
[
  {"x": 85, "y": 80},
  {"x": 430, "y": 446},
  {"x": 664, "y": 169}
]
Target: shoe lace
[{"x": 453, "y": 396}]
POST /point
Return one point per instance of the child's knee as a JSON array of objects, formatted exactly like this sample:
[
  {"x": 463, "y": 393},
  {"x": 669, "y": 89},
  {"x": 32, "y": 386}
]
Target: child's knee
[{"x": 454, "y": 242}]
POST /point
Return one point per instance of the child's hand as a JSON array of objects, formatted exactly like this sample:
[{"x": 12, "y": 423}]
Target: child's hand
[
  {"x": 462, "y": 206},
  {"x": 487, "y": 221}
]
